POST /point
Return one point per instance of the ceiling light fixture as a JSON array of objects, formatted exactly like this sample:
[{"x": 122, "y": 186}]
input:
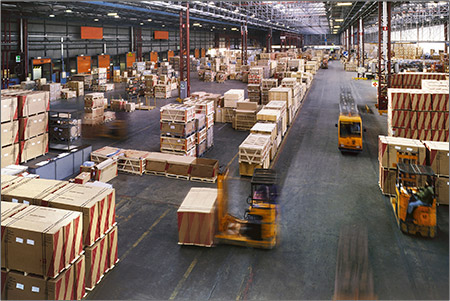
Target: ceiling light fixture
[
  {"x": 339, "y": 20},
  {"x": 117, "y": 17},
  {"x": 95, "y": 20},
  {"x": 52, "y": 16},
  {"x": 68, "y": 10},
  {"x": 163, "y": 25},
  {"x": 149, "y": 20},
  {"x": 141, "y": 23},
  {"x": 112, "y": 14},
  {"x": 344, "y": 4}
]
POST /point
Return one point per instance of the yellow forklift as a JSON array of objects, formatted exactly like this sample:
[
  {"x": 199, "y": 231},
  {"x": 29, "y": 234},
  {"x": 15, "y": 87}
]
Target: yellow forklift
[
  {"x": 411, "y": 178},
  {"x": 350, "y": 138},
  {"x": 259, "y": 227}
]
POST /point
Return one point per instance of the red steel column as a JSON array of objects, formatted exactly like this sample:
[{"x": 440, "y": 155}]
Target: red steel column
[{"x": 185, "y": 49}]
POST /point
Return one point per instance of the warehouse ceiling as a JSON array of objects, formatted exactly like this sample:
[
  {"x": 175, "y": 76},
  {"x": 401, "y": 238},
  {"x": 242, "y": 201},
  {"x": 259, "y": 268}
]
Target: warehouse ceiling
[{"x": 300, "y": 17}]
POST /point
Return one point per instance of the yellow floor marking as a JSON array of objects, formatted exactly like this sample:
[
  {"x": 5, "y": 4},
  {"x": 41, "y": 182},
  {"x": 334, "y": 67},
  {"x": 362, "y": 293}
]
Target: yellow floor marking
[{"x": 182, "y": 280}]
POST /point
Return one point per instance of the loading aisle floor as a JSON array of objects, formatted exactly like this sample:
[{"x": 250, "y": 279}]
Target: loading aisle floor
[{"x": 322, "y": 190}]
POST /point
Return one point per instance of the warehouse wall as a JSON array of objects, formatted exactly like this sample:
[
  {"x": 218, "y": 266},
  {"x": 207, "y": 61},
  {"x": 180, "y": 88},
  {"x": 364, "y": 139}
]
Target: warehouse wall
[{"x": 319, "y": 39}]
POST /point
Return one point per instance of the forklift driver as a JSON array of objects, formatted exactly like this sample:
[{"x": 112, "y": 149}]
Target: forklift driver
[{"x": 423, "y": 197}]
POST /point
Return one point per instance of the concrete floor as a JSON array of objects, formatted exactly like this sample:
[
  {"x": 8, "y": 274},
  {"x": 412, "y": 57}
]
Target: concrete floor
[{"x": 321, "y": 190}]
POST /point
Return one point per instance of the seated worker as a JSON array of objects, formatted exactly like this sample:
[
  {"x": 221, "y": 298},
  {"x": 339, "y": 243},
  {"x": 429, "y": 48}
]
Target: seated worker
[{"x": 423, "y": 197}]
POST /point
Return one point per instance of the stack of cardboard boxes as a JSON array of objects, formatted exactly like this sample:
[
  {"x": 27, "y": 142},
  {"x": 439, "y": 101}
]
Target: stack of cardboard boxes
[
  {"x": 94, "y": 108},
  {"x": 266, "y": 85},
  {"x": 245, "y": 115},
  {"x": 54, "y": 90},
  {"x": 254, "y": 92},
  {"x": 78, "y": 87},
  {"x": 10, "y": 131}
]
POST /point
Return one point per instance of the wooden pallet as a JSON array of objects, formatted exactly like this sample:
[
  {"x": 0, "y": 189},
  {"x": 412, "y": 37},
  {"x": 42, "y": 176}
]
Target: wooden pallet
[
  {"x": 179, "y": 177},
  {"x": 205, "y": 180},
  {"x": 155, "y": 173}
]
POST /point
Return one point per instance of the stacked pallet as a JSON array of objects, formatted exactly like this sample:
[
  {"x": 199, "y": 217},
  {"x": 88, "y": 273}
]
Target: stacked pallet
[
  {"x": 255, "y": 75},
  {"x": 209, "y": 76},
  {"x": 10, "y": 145},
  {"x": 296, "y": 89},
  {"x": 254, "y": 93},
  {"x": 272, "y": 116},
  {"x": 418, "y": 114},
  {"x": 296, "y": 65},
  {"x": 94, "y": 106},
  {"x": 54, "y": 90},
  {"x": 283, "y": 94},
  {"x": 231, "y": 97},
  {"x": 132, "y": 161},
  {"x": 99, "y": 76},
  {"x": 282, "y": 108},
  {"x": 281, "y": 66},
  {"x": 245, "y": 115},
  {"x": 254, "y": 152},
  {"x": 413, "y": 80},
  {"x": 85, "y": 78},
  {"x": 104, "y": 87},
  {"x": 163, "y": 91},
  {"x": 266, "y": 128},
  {"x": 67, "y": 93},
  {"x": 266, "y": 85},
  {"x": 181, "y": 139},
  {"x": 438, "y": 159},
  {"x": 93, "y": 231}
]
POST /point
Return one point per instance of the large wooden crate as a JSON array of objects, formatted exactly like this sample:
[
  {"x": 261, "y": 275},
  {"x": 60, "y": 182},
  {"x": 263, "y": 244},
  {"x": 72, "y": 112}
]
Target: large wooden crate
[
  {"x": 255, "y": 148},
  {"x": 247, "y": 169},
  {"x": 178, "y": 144},
  {"x": 280, "y": 93},
  {"x": 180, "y": 113}
]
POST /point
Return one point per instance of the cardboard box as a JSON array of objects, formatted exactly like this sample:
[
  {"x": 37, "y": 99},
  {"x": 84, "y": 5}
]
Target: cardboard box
[
  {"x": 205, "y": 168},
  {"x": 9, "y": 132},
  {"x": 8, "y": 210},
  {"x": 34, "y": 147},
  {"x": 389, "y": 147},
  {"x": 8, "y": 181},
  {"x": 9, "y": 108},
  {"x": 156, "y": 162},
  {"x": 231, "y": 97},
  {"x": 97, "y": 205},
  {"x": 105, "y": 171},
  {"x": 39, "y": 240},
  {"x": 387, "y": 178},
  {"x": 82, "y": 178},
  {"x": 33, "y": 103},
  {"x": 31, "y": 191},
  {"x": 4, "y": 279},
  {"x": 200, "y": 121},
  {"x": 179, "y": 165},
  {"x": 79, "y": 278},
  {"x": 438, "y": 157},
  {"x": 197, "y": 222},
  {"x": 178, "y": 129},
  {"x": 130, "y": 107},
  {"x": 96, "y": 259},
  {"x": 113, "y": 238},
  {"x": 10, "y": 155},
  {"x": 33, "y": 126},
  {"x": 94, "y": 100},
  {"x": 94, "y": 112},
  {"x": 442, "y": 190}
]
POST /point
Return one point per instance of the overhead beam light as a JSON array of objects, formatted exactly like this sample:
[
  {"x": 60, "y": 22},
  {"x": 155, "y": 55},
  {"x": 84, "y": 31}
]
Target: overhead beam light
[
  {"x": 149, "y": 20},
  {"x": 344, "y": 4},
  {"x": 116, "y": 16},
  {"x": 337, "y": 26},
  {"x": 68, "y": 10},
  {"x": 141, "y": 23},
  {"x": 339, "y": 20},
  {"x": 95, "y": 20},
  {"x": 52, "y": 16},
  {"x": 112, "y": 14}
]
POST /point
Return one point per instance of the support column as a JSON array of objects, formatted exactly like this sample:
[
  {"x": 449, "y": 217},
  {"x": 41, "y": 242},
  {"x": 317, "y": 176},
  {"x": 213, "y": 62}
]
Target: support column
[
  {"x": 244, "y": 34},
  {"x": 358, "y": 57},
  {"x": 361, "y": 37},
  {"x": 185, "y": 49},
  {"x": 446, "y": 38},
  {"x": 384, "y": 54},
  {"x": 269, "y": 41}
]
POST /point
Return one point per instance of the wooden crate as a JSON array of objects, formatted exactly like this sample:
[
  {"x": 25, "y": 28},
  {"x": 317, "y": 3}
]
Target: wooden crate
[
  {"x": 177, "y": 144},
  {"x": 281, "y": 93},
  {"x": 255, "y": 148},
  {"x": 247, "y": 169},
  {"x": 105, "y": 153},
  {"x": 132, "y": 161},
  {"x": 179, "y": 113}
]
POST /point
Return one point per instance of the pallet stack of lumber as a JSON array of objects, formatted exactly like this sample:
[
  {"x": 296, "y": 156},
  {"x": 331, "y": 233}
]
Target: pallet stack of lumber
[
  {"x": 245, "y": 115},
  {"x": 254, "y": 152},
  {"x": 254, "y": 92},
  {"x": 266, "y": 85},
  {"x": 69, "y": 227},
  {"x": 94, "y": 108},
  {"x": 418, "y": 114}
]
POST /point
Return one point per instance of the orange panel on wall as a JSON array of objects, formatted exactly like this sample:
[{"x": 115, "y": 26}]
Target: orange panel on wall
[
  {"x": 91, "y": 32},
  {"x": 104, "y": 62},
  {"x": 131, "y": 58},
  {"x": 161, "y": 35},
  {"x": 154, "y": 56},
  {"x": 83, "y": 64},
  {"x": 169, "y": 54},
  {"x": 196, "y": 53},
  {"x": 203, "y": 52}
]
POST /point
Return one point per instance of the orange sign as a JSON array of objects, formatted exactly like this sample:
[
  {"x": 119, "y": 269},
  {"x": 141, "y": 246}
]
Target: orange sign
[
  {"x": 41, "y": 61},
  {"x": 83, "y": 64},
  {"x": 104, "y": 62},
  {"x": 91, "y": 32},
  {"x": 131, "y": 58},
  {"x": 196, "y": 53},
  {"x": 169, "y": 54},
  {"x": 154, "y": 56},
  {"x": 161, "y": 35}
]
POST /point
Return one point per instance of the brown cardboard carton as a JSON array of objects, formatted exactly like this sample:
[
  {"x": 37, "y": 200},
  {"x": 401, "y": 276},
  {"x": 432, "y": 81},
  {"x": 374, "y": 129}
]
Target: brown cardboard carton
[
  {"x": 31, "y": 191},
  {"x": 10, "y": 155},
  {"x": 33, "y": 126},
  {"x": 105, "y": 171},
  {"x": 113, "y": 238},
  {"x": 37, "y": 240},
  {"x": 177, "y": 129},
  {"x": 9, "y": 108},
  {"x": 405, "y": 146},
  {"x": 179, "y": 165},
  {"x": 9, "y": 132},
  {"x": 205, "y": 168},
  {"x": 4, "y": 279},
  {"x": 197, "y": 217},
  {"x": 82, "y": 178},
  {"x": 8, "y": 210},
  {"x": 96, "y": 256},
  {"x": 33, "y": 103},
  {"x": 438, "y": 156},
  {"x": 200, "y": 121},
  {"x": 96, "y": 203},
  {"x": 156, "y": 162},
  {"x": 9, "y": 181},
  {"x": 442, "y": 190},
  {"x": 387, "y": 178},
  {"x": 34, "y": 147},
  {"x": 79, "y": 277},
  {"x": 94, "y": 112}
]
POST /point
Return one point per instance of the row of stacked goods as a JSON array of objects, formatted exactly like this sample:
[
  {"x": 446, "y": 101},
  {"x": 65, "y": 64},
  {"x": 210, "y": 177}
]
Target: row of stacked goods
[
  {"x": 66, "y": 232},
  {"x": 420, "y": 113},
  {"x": 24, "y": 125},
  {"x": 155, "y": 163},
  {"x": 406, "y": 51},
  {"x": 393, "y": 150}
]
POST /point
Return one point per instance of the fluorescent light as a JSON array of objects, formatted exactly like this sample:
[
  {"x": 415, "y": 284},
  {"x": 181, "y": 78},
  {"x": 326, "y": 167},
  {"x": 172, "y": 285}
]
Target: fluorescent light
[
  {"x": 95, "y": 20},
  {"x": 211, "y": 2},
  {"x": 68, "y": 10},
  {"x": 52, "y": 16},
  {"x": 112, "y": 14},
  {"x": 234, "y": 28},
  {"x": 214, "y": 27},
  {"x": 268, "y": 20},
  {"x": 117, "y": 17},
  {"x": 149, "y": 20},
  {"x": 337, "y": 26},
  {"x": 196, "y": 24},
  {"x": 253, "y": 15},
  {"x": 163, "y": 25},
  {"x": 142, "y": 23},
  {"x": 344, "y": 4},
  {"x": 224, "y": 28},
  {"x": 339, "y": 20}
]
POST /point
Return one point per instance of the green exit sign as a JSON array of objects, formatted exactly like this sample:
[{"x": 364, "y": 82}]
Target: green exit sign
[{"x": 17, "y": 58}]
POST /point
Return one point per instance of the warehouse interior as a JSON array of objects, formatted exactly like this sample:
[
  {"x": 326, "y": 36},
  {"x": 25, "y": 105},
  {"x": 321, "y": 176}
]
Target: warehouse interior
[{"x": 268, "y": 150}]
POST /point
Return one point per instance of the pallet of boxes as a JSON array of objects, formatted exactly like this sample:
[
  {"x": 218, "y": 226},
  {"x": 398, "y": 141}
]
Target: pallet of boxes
[
  {"x": 54, "y": 90},
  {"x": 266, "y": 85},
  {"x": 254, "y": 152},
  {"x": 245, "y": 115},
  {"x": 438, "y": 159},
  {"x": 284, "y": 94},
  {"x": 10, "y": 131},
  {"x": 231, "y": 97},
  {"x": 204, "y": 121},
  {"x": 58, "y": 238}
]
